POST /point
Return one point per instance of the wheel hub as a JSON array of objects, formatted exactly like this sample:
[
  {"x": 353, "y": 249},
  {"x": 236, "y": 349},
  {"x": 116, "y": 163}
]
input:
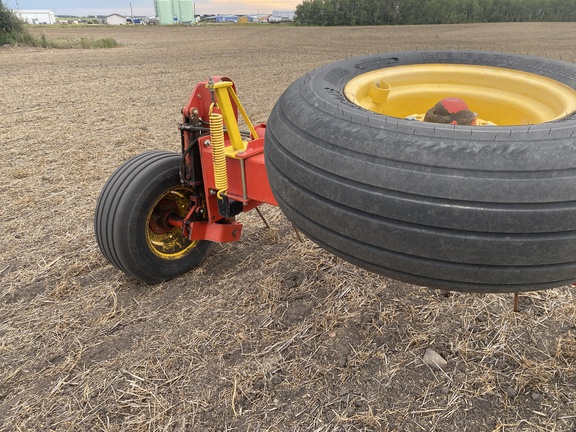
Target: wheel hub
[
  {"x": 159, "y": 218},
  {"x": 164, "y": 239}
]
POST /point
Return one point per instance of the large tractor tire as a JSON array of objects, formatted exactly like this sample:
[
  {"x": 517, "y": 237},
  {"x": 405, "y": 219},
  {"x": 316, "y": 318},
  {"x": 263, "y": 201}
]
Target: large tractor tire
[
  {"x": 129, "y": 225},
  {"x": 463, "y": 208}
]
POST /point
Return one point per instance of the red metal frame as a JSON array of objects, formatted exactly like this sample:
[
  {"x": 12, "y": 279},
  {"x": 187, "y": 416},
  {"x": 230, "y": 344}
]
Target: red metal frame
[{"x": 246, "y": 172}]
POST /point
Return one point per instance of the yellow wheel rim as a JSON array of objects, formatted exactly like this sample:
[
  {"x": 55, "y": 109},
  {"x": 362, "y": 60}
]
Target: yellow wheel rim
[
  {"x": 165, "y": 241},
  {"x": 497, "y": 95}
]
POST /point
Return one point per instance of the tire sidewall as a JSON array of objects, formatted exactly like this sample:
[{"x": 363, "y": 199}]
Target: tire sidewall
[
  {"x": 517, "y": 146},
  {"x": 137, "y": 254}
]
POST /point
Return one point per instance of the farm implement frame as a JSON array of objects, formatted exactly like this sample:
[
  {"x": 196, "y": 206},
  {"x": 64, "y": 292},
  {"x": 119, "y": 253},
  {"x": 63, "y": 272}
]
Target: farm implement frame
[
  {"x": 219, "y": 174},
  {"x": 223, "y": 167}
]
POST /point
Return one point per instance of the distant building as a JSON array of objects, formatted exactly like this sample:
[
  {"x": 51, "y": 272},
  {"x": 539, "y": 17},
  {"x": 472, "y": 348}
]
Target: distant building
[
  {"x": 260, "y": 18},
  {"x": 115, "y": 19},
  {"x": 174, "y": 11},
  {"x": 281, "y": 16},
  {"x": 226, "y": 18},
  {"x": 36, "y": 16}
]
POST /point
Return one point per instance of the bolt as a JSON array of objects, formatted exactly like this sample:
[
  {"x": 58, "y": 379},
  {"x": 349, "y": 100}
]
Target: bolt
[
  {"x": 207, "y": 143},
  {"x": 213, "y": 192}
]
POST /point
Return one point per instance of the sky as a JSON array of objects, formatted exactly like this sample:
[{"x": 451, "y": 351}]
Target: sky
[{"x": 146, "y": 7}]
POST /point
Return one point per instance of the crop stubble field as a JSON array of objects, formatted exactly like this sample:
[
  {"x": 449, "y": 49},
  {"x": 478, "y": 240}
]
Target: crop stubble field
[{"x": 270, "y": 333}]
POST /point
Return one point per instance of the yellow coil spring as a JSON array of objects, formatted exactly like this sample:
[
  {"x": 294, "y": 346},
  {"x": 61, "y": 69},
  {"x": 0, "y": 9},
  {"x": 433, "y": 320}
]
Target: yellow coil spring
[{"x": 218, "y": 154}]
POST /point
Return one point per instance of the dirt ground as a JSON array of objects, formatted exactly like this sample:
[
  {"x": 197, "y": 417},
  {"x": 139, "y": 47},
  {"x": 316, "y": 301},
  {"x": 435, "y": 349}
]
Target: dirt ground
[{"x": 270, "y": 334}]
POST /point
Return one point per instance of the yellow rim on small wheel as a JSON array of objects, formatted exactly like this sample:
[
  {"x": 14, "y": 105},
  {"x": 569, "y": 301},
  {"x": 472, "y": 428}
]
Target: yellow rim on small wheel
[{"x": 163, "y": 239}]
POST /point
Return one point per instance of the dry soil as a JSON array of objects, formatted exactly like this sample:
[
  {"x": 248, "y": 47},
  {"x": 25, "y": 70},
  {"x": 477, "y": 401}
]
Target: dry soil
[{"x": 270, "y": 334}]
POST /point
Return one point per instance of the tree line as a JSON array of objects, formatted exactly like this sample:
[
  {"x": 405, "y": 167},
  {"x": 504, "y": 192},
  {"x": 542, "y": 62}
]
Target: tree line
[
  {"x": 392, "y": 12},
  {"x": 14, "y": 32},
  {"x": 10, "y": 26}
]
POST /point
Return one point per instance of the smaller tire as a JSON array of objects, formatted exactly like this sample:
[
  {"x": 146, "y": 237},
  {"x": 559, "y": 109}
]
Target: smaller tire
[{"x": 132, "y": 202}]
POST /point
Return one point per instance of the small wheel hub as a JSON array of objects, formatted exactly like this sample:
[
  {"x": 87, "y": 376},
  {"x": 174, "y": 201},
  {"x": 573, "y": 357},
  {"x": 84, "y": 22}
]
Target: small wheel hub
[
  {"x": 164, "y": 239},
  {"x": 159, "y": 218}
]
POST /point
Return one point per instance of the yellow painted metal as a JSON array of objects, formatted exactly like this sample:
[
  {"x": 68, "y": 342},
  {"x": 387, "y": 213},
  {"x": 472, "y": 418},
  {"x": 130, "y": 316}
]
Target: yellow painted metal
[
  {"x": 225, "y": 105},
  {"x": 171, "y": 245},
  {"x": 234, "y": 97},
  {"x": 499, "y": 96},
  {"x": 218, "y": 153},
  {"x": 225, "y": 94}
]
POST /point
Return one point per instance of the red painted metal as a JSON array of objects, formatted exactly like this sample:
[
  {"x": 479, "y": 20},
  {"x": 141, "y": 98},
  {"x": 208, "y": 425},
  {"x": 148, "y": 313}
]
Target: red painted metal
[
  {"x": 246, "y": 173},
  {"x": 257, "y": 180},
  {"x": 201, "y": 99},
  {"x": 221, "y": 232},
  {"x": 159, "y": 221},
  {"x": 174, "y": 220}
]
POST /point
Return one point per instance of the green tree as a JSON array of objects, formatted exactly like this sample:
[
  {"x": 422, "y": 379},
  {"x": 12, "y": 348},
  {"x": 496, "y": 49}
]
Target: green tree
[
  {"x": 11, "y": 28},
  {"x": 386, "y": 12},
  {"x": 9, "y": 22}
]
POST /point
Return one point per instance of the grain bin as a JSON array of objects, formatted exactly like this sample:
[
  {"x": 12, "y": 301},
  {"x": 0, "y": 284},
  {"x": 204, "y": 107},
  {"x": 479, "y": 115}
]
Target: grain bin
[
  {"x": 165, "y": 11},
  {"x": 186, "y": 9}
]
